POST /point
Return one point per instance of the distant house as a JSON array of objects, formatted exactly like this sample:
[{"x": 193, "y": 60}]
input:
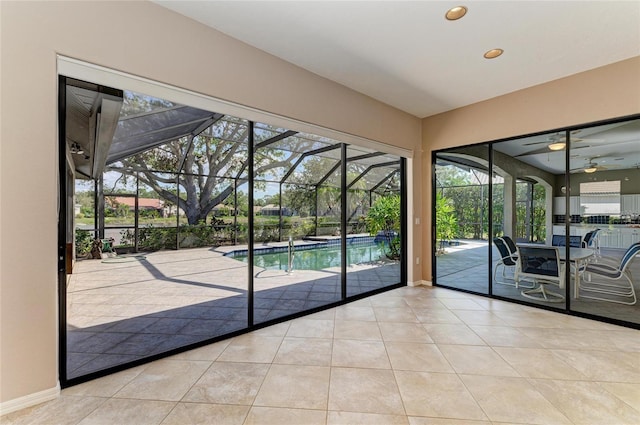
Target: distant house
[
  {"x": 144, "y": 204},
  {"x": 222, "y": 210},
  {"x": 271, "y": 209}
]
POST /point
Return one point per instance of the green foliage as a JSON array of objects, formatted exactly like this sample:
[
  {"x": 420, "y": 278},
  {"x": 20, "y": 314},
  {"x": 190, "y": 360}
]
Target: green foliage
[
  {"x": 83, "y": 242},
  {"x": 149, "y": 214},
  {"x": 470, "y": 202},
  {"x": 86, "y": 211},
  {"x": 206, "y": 165},
  {"x": 384, "y": 217},
  {"x": 85, "y": 200},
  {"x": 446, "y": 221}
]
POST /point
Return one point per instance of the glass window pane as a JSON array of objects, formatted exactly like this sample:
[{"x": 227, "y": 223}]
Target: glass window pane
[
  {"x": 605, "y": 195},
  {"x": 373, "y": 226},
  {"x": 462, "y": 224},
  {"x": 523, "y": 188}
]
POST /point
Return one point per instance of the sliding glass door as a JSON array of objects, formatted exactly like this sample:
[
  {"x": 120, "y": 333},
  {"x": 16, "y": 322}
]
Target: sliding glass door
[
  {"x": 565, "y": 219},
  {"x": 183, "y": 226}
]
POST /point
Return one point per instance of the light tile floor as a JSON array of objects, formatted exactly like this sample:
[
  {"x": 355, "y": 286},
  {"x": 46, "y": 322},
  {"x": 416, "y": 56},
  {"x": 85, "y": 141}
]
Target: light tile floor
[{"x": 413, "y": 356}]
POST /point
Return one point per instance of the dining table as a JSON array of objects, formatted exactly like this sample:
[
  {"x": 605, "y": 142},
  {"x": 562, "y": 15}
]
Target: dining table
[{"x": 578, "y": 256}]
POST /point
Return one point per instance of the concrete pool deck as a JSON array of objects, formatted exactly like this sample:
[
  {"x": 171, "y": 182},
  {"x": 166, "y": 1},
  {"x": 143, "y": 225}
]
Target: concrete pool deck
[{"x": 121, "y": 310}]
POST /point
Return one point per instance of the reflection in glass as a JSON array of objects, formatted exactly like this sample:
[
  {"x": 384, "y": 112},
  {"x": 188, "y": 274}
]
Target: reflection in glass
[
  {"x": 523, "y": 184},
  {"x": 462, "y": 218},
  {"x": 169, "y": 181},
  {"x": 373, "y": 220},
  {"x": 589, "y": 215},
  {"x": 170, "y": 199},
  {"x": 605, "y": 198},
  {"x": 296, "y": 258}
]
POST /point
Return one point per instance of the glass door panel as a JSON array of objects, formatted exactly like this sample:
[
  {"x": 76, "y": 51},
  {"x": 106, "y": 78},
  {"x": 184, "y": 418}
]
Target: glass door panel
[
  {"x": 373, "y": 220},
  {"x": 462, "y": 219},
  {"x": 605, "y": 190},
  {"x": 525, "y": 176}
]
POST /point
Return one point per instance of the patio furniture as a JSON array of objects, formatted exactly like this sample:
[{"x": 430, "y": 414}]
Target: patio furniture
[
  {"x": 541, "y": 265},
  {"x": 511, "y": 245},
  {"x": 613, "y": 280},
  {"x": 592, "y": 241},
  {"x": 508, "y": 260},
  {"x": 560, "y": 240}
]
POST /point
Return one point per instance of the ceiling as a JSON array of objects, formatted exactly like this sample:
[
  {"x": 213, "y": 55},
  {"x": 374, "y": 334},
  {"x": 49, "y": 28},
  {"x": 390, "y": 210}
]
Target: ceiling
[{"x": 406, "y": 54}]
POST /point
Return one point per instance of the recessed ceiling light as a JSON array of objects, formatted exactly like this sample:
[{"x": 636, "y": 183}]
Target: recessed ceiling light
[
  {"x": 456, "y": 13},
  {"x": 493, "y": 53}
]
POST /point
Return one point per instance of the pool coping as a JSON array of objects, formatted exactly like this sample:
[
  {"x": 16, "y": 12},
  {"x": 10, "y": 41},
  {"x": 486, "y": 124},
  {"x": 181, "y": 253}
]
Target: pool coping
[{"x": 307, "y": 243}]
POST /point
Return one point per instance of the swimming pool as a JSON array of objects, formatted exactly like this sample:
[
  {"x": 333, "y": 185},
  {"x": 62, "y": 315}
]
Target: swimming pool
[{"x": 316, "y": 258}]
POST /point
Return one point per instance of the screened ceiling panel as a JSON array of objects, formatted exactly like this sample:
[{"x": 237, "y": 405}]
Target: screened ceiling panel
[
  {"x": 229, "y": 128},
  {"x": 281, "y": 155},
  {"x": 137, "y": 133}
]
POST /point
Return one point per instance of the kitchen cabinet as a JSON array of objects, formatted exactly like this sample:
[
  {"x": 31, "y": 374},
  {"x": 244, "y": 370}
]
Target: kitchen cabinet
[
  {"x": 629, "y": 236},
  {"x": 559, "y": 206},
  {"x": 559, "y": 230},
  {"x": 609, "y": 238},
  {"x": 627, "y": 203},
  {"x": 630, "y": 204},
  {"x": 574, "y": 205}
]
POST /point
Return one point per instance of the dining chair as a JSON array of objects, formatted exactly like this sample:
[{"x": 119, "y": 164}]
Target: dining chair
[
  {"x": 507, "y": 262},
  {"x": 541, "y": 265},
  {"x": 611, "y": 279},
  {"x": 511, "y": 245},
  {"x": 592, "y": 241}
]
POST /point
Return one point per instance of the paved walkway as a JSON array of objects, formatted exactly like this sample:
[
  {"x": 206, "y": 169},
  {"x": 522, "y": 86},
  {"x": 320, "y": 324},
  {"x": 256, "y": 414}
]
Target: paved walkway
[{"x": 124, "y": 309}]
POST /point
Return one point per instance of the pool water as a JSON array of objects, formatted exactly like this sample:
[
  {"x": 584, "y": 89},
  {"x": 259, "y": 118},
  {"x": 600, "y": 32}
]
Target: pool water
[{"x": 317, "y": 258}]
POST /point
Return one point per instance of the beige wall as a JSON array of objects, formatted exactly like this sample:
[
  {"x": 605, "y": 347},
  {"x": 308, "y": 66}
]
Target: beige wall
[
  {"x": 602, "y": 93},
  {"x": 143, "y": 39}
]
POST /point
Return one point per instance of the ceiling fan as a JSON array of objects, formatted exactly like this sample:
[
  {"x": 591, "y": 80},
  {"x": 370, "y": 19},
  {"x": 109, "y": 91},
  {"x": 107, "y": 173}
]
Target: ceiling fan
[
  {"x": 557, "y": 142},
  {"x": 592, "y": 167}
]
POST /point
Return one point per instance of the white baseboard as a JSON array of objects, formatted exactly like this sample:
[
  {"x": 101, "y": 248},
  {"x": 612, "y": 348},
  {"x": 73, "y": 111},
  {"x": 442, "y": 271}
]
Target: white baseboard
[
  {"x": 29, "y": 400},
  {"x": 419, "y": 283}
]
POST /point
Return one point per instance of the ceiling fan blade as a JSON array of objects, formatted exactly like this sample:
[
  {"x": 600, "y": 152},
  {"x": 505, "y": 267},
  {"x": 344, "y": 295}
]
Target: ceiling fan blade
[
  {"x": 536, "y": 143},
  {"x": 535, "y": 152}
]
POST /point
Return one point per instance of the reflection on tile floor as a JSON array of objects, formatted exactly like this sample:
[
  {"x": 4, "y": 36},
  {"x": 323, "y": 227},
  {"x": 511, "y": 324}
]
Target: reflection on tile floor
[
  {"x": 514, "y": 364},
  {"x": 464, "y": 266},
  {"x": 124, "y": 309}
]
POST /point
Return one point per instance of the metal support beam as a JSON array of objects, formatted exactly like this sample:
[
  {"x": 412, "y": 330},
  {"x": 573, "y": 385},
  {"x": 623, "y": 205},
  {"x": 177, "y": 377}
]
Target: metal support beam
[
  {"x": 365, "y": 156},
  {"x": 371, "y": 167},
  {"x": 303, "y": 156},
  {"x": 384, "y": 180},
  {"x": 277, "y": 138},
  {"x": 155, "y": 111},
  {"x": 136, "y": 214},
  {"x": 331, "y": 171},
  {"x": 280, "y": 211},
  {"x": 404, "y": 259},
  {"x": 250, "y": 225},
  {"x": 100, "y": 205},
  {"x": 235, "y": 212},
  {"x": 343, "y": 222},
  {"x": 316, "y": 210},
  {"x": 177, "y": 212},
  {"x": 202, "y": 127}
]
